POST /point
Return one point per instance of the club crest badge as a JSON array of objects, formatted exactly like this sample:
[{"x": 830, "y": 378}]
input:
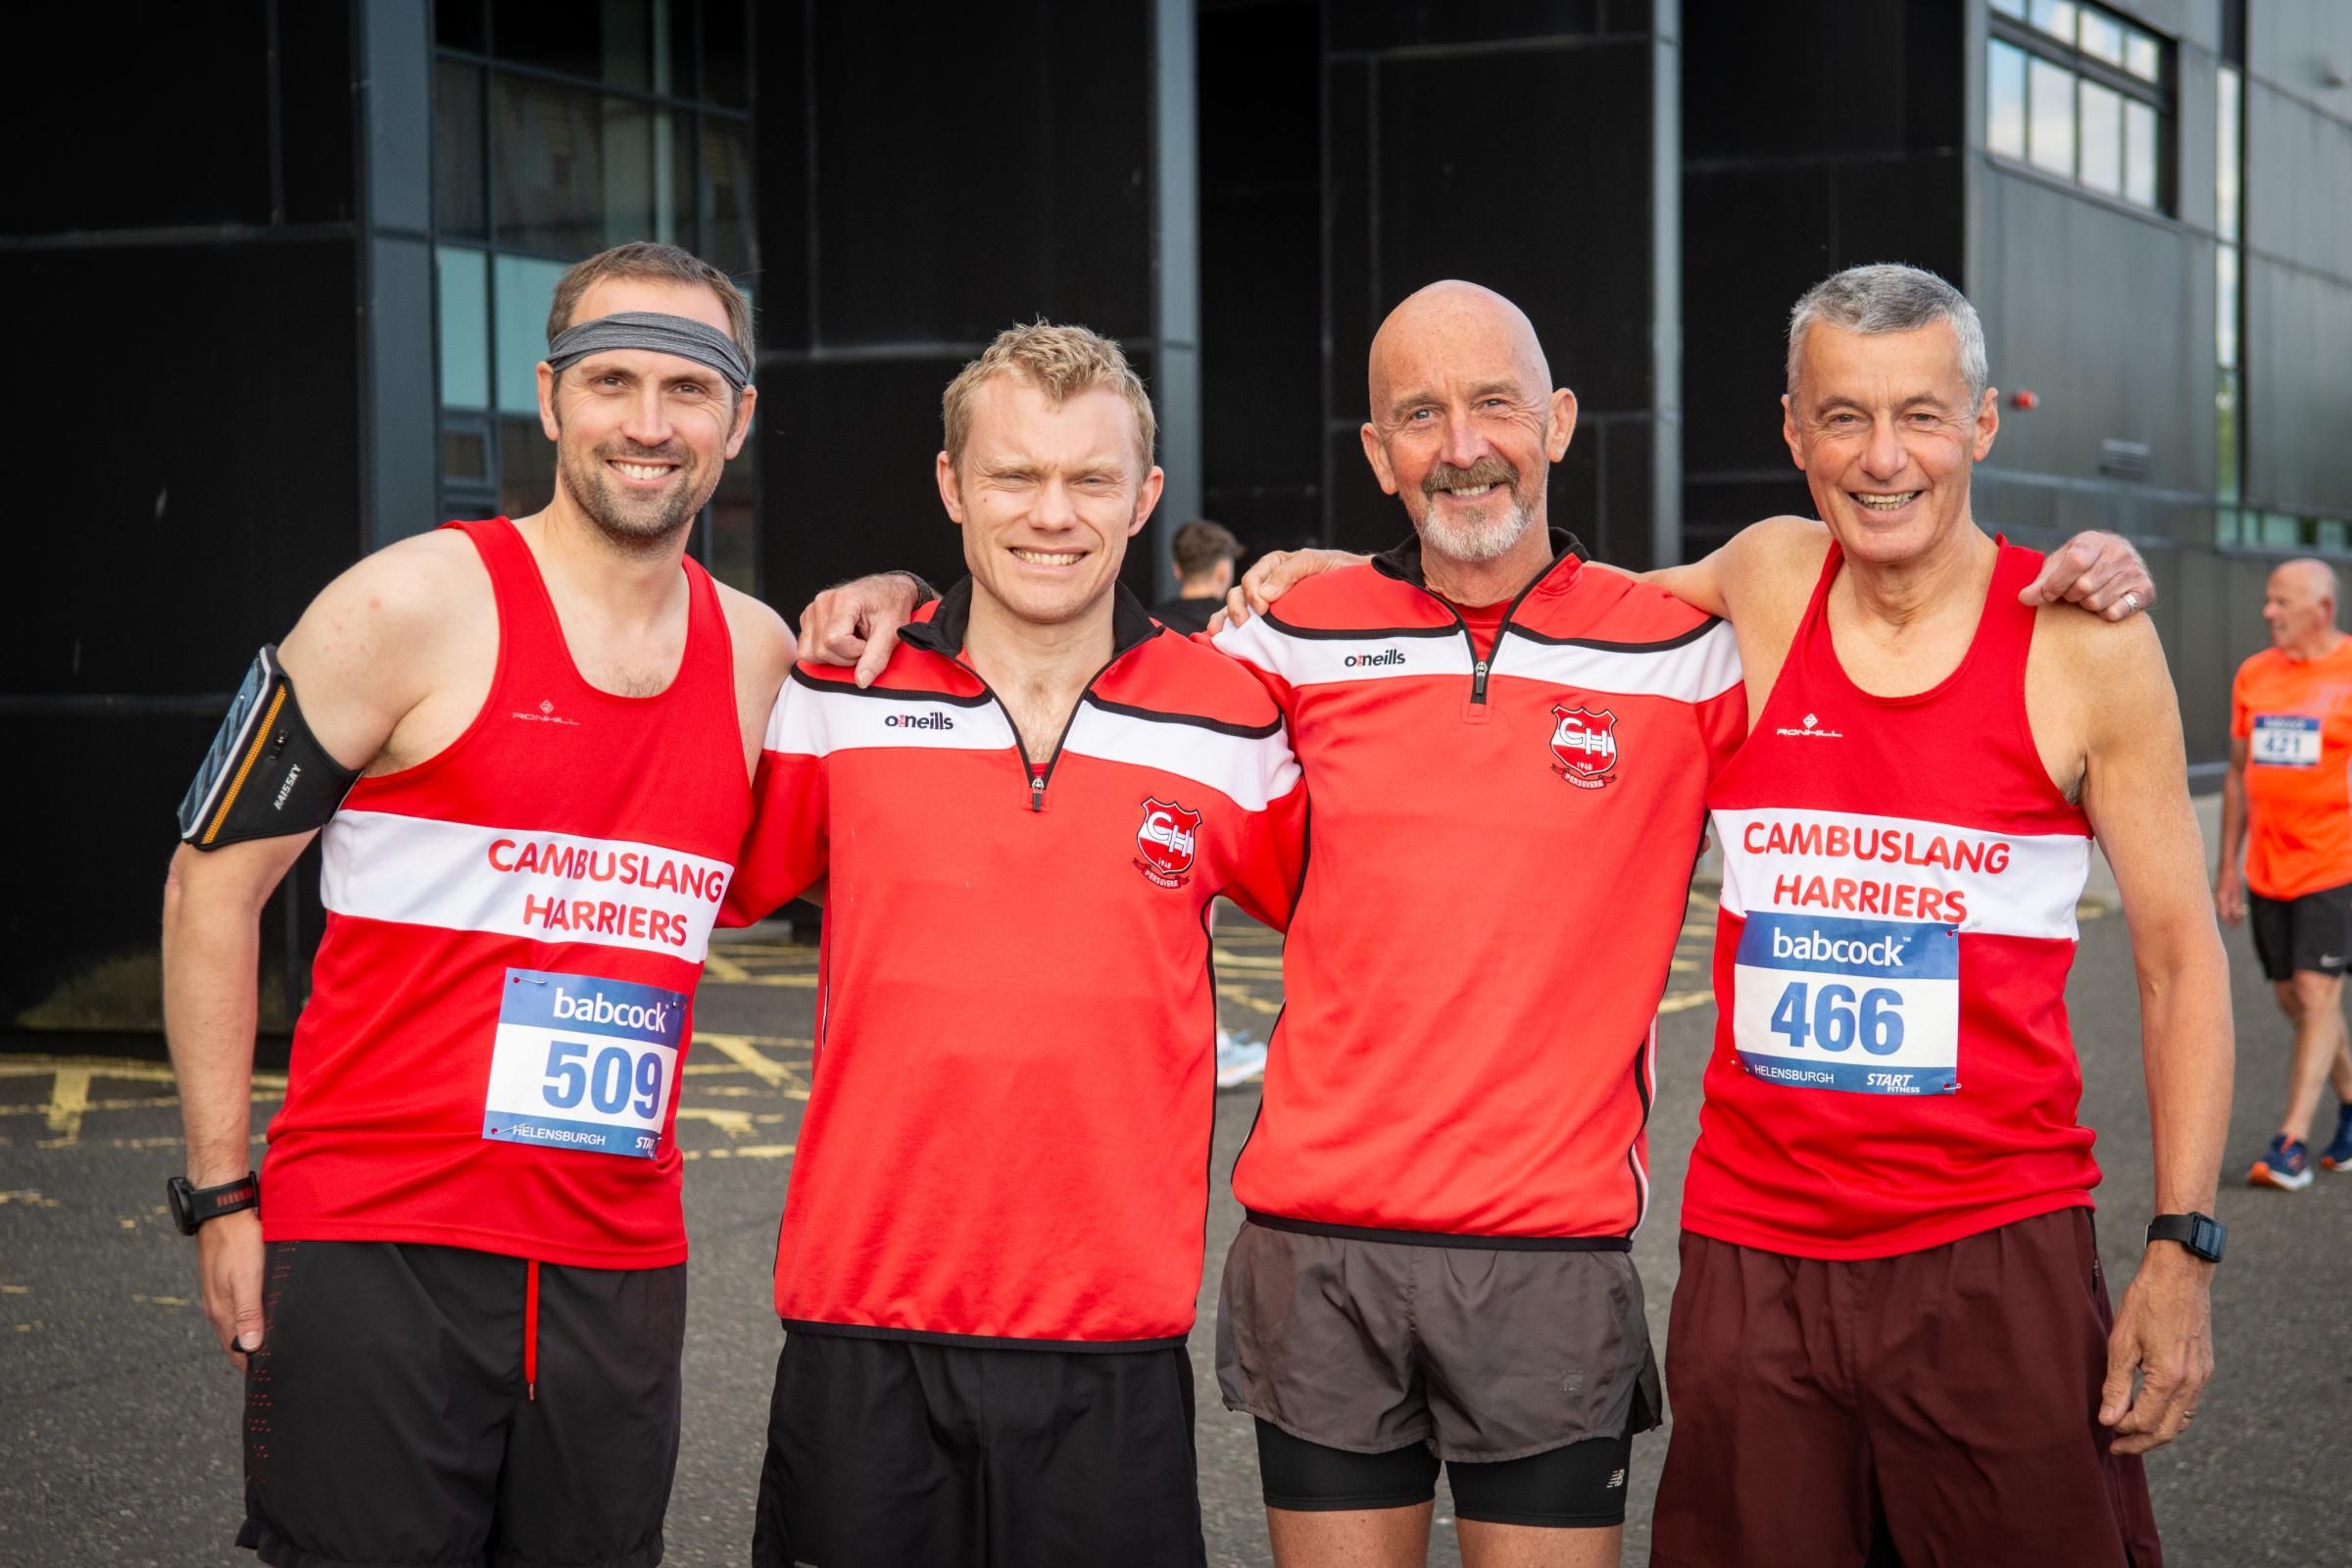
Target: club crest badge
[
  {"x": 1164, "y": 845},
  {"x": 1584, "y": 745}
]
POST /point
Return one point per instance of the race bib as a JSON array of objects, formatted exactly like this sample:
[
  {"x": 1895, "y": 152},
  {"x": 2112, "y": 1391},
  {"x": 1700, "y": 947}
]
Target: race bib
[
  {"x": 581, "y": 1063},
  {"x": 2284, "y": 740},
  {"x": 1867, "y": 1007}
]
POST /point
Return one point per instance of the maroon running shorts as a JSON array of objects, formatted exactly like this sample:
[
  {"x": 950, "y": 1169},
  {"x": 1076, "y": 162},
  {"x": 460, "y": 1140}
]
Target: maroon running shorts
[{"x": 1938, "y": 1407}]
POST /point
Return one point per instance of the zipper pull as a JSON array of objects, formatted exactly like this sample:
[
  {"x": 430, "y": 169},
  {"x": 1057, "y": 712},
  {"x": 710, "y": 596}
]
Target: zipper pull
[
  {"x": 1037, "y": 789},
  {"x": 1478, "y": 681}
]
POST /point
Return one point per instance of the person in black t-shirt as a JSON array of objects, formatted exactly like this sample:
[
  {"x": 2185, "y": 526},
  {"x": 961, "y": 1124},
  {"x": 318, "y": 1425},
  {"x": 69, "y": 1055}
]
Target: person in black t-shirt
[{"x": 1206, "y": 554}]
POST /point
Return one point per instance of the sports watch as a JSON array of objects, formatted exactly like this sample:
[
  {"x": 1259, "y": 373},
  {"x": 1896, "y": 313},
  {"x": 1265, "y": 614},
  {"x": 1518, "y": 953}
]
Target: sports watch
[
  {"x": 191, "y": 1206},
  {"x": 2201, "y": 1234}
]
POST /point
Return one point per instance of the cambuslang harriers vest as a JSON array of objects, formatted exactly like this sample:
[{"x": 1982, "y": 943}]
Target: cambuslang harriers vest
[{"x": 500, "y": 1003}]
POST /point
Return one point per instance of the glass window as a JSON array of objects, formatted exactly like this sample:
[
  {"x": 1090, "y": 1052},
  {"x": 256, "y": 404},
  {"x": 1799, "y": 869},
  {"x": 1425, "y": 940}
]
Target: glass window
[
  {"x": 2102, "y": 139},
  {"x": 2056, "y": 18},
  {"x": 527, "y": 467},
  {"x": 2050, "y": 99},
  {"x": 460, "y": 24},
  {"x": 730, "y": 241},
  {"x": 2139, "y": 154},
  {"x": 2141, "y": 57},
  {"x": 525, "y": 288},
  {"x": 578, "y": 172},
  {"x": 464, "y": 279},
  {"x": 2005, "y": 99},
  {"x": 2225, "y": 159},
  {"x": 2010, "y": 7},
  {"x": 2224, "y": 307},
  {"x": 728, "y": 52},
  {"x": 460, "y": 205},
  {"x": 2102, "y": 37},
  {"x": 602, "y": 41}
]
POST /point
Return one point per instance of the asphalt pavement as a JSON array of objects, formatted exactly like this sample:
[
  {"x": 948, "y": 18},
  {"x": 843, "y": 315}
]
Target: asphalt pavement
[{"x": 119, "y": 1418}]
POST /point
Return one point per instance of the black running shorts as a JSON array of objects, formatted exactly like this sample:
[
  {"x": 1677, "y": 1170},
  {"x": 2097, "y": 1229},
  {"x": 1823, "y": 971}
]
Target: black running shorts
[
  {"x": 387, "y": 1420},
  {"x": 2313, "y": 932},
  {"x": 897, "y": 1454}
]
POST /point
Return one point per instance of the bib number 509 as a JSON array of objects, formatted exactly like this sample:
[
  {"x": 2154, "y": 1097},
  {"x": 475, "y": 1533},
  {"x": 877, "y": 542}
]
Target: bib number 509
[
  {"x": 617, "y": 1076},
  {"x": 1836, "y": 1019}
]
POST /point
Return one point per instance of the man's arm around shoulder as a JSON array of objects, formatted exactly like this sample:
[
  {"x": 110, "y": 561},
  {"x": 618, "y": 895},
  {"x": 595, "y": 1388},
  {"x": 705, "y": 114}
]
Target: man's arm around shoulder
[{"x": 2118, "y": 697}]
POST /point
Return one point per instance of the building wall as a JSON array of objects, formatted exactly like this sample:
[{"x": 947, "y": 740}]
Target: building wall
[{"x": 185, "y": 322}]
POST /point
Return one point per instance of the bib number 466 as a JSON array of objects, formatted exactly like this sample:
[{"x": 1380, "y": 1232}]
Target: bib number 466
[{"x": 1835, "y": 1019}]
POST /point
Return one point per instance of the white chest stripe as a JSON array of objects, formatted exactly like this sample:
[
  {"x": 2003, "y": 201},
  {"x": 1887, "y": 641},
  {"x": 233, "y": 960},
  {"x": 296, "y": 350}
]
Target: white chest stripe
[
  {"x": 1839, "y": 862},
  {"x": 817, "y": 723},
  {"x": 1247, "y": 770},
  {"x": 1707, "y": 666},
  {"x": 517, "y": 882},
  {"x": 1316, "y": 661}
]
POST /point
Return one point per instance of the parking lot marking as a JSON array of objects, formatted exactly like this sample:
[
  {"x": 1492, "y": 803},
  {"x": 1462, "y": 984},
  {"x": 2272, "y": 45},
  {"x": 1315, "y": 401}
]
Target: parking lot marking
[{"x": 745, "y": 1053}]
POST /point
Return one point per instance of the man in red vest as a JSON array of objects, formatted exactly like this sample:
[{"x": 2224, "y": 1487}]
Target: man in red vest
[{"x": 456, "y": 1285}]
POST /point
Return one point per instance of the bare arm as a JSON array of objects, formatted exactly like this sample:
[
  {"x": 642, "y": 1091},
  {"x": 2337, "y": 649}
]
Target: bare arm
[
  {"x": 2229, "y": 880},
  {"x": 856, "y": 623},
  {"x": 763, "y": 654},
  {"x": 354, "y": 686},
  {"x": 2136, "y": 792}
]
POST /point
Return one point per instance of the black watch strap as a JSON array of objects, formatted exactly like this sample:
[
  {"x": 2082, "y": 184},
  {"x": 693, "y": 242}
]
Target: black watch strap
[
  {"x": 192, "y": 1206},
  {"x": 2201, "y": 1234}
]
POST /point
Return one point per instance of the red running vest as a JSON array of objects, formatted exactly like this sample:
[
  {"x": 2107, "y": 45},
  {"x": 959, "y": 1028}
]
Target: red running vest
[
  {"x": 1893, "y": 1067},
  {"x": 490, "y": 1056}
]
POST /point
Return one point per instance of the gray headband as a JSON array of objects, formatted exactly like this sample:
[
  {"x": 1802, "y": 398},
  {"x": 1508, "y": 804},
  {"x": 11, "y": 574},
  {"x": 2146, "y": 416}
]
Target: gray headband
[{"x": 656, "y": 334}]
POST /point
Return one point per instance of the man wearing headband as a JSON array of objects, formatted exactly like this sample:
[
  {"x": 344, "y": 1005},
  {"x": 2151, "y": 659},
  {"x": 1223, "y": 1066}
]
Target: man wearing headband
[{"x": 459, "y": 1304}]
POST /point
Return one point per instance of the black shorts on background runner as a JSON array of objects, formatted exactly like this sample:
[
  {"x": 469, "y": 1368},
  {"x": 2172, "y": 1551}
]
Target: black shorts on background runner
[
  {"x": 2313, "y": 932},
  {"x": 387, "y": 1421},
  {"x": 899, "y": 1453}
]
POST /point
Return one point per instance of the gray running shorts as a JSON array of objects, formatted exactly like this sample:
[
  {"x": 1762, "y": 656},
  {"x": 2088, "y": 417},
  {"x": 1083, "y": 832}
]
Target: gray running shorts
[{"x": 1482, "y": 1353}]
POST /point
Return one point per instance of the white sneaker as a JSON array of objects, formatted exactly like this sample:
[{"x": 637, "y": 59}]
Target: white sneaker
[{"x": 1239, "y": 1059}]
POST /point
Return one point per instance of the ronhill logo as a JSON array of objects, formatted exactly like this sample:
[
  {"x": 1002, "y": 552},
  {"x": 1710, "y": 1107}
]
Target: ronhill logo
[
  {"x": 917, "y": 721},
  {"x": 1386, "y": 655}
]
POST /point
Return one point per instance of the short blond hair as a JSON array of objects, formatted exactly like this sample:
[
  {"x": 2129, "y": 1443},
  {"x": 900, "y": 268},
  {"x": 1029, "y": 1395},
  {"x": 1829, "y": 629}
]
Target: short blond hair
[{"x": 1061, "y": 362}]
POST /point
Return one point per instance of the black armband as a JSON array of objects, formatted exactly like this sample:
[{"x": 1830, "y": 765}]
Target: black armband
[
  {"x": 265, "y": 775},
  {"x": 925, "y": 593}
]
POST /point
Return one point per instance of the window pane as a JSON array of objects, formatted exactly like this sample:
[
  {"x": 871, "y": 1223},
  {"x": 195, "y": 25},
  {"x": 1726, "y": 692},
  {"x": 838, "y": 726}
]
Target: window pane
[
  {"x": 2056, "y": 18},
  {"x": 731, "y": 243},
  {"x": 523, "y": 290},
  {"x": 464, "y": 304},
  {"x": 727, "y": 51},
  {"x": 2226, "y": 170},
  {"x": 2050, "y": 93},
  {"x": 2139, "y": 154},
  {"x": 2224, "y": 307},
  {"x": 2140, "y": 56},
  {"x": 527, "y": 467},
  {"x": 2102, "y": 37},
  {"x": 2005, "y": 99},
  {"x": 602, "y": 41},
  {"x": 2010, "y": 7},
  {"x": 460, "y": 203},
  {"x": 575, "y": 169},
  {"x": 459, "y": 25},
  {"x": 2102, "y": 139}
]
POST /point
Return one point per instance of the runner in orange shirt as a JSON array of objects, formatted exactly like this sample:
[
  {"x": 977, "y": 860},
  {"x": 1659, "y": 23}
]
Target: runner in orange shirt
[{"x": 2290, "y": 773}]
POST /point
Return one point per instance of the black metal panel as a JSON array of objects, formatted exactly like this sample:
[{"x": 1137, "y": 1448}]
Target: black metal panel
[
  {"x": 1404, "y": 24},
  {"x": 313, "y": 92},
  {"x": 1547, "y": 200},
  {"x": 217, "y": 528},
  {"x": 107, "y": 110},
  {"x": 1813, "y": 79},
  {"x": 1045, "y": 206}
]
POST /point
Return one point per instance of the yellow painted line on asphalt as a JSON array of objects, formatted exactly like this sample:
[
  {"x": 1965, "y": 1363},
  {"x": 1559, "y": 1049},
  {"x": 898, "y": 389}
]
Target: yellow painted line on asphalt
[
  {"x": 28, "y": 1198},
  {"x": 1247, "y": 961},
  {"x": 164, "y": 1300},
  {"x": 745, "y": 1053},
  {"x": 69, "y": 1097},
  {"x": 1249, "y": 999},
  {"x": 16, "y": 1290},
  {"x": 1684, "y": 1001},
  {"x": 725, "y": 970},
  {"x": 734, "y": 1123},
  {"x": 746, "y": 1151}
]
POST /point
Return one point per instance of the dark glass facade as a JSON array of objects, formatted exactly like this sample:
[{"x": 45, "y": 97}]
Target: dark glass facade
[{"x": 314, "y": 303}]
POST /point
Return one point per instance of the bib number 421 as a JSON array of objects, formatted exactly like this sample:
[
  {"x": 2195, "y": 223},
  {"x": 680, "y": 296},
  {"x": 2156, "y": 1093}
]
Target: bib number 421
[{"x": 1831, "y": 1017}]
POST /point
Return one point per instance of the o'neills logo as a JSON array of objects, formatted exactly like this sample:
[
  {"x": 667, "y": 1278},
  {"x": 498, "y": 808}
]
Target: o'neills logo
[
  {"x": 1386, "y": 655},
  {"x": 1164, "y": 845},
  {"x": 1584, "y": 745},
  {"x": 917, "y": 721}
]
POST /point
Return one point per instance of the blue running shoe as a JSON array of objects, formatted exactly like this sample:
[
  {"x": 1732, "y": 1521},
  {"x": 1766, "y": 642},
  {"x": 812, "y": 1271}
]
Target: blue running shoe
[
  {"x": 2285, "y": 1165},
  {"x": 2339, "y": 1154}
]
